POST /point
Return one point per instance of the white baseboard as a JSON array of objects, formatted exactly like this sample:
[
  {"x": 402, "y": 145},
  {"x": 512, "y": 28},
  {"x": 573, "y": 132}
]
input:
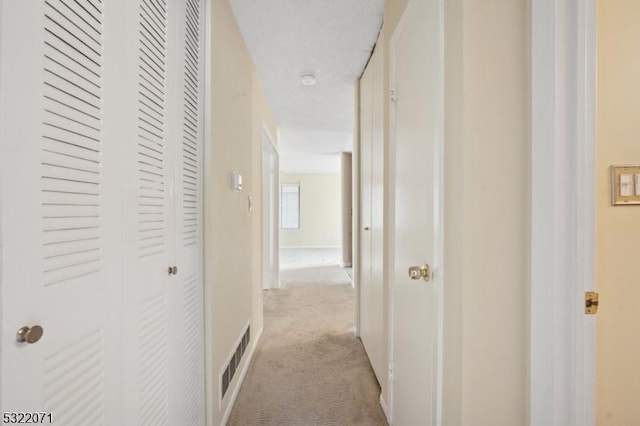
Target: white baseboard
[
  {"x": 243, "y": 373},
  {"x": 345, "y": 264},
  {"x": 385, "y": 408}
]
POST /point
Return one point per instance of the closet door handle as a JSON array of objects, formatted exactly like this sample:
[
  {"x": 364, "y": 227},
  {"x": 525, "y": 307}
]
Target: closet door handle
[
  {"x": 29, "y": 334},
  {"x": 173, "y": 270}
]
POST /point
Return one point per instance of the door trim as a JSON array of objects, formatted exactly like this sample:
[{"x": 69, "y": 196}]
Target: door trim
[
  {"x": 355, "y": 204},
  {"x": 271, "y": 150},
  {"x": 438, "y": 261},
  {"x": 563, "y": 190},
  {"x": 208, "y": 293}
]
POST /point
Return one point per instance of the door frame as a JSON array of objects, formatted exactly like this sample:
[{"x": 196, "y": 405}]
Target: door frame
[
  {"x": 355, "y": 204},
  {"x": 269, "y": 150},
  {"x": 437, "y": 267},
  {"x": 1, "y": 231},
  {"x": 563, "y": 200},
  {"x": 211, "y": 376}
]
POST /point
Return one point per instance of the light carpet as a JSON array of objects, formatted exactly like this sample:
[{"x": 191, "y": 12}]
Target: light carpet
[{"x": 309, "y": 369}]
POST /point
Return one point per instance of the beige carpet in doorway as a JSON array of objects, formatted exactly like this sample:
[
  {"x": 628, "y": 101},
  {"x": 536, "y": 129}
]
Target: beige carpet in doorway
[{"x": 309, "y": 369}]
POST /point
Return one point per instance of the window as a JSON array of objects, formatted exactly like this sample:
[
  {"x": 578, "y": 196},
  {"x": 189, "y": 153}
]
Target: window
[{"x": 290, "y": 206}]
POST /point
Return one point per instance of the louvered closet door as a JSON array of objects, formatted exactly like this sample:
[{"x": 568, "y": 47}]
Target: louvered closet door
[
  {"x": 163, "y": 334},
  {"x": 188, "y": 348},
  {"x": 101, "y": 123},
  {"x": 55, "y": 234},
  {"x": 148, "y": 211}
]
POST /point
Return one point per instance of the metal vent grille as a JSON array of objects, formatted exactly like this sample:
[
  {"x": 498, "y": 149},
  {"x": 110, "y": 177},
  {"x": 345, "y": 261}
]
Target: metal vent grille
[
  {"x": 152, "y": 91},
  {"x": 191, "y": 125},
  {"x": 234, "y": 362},
  {"x": 72, "y": 139}
]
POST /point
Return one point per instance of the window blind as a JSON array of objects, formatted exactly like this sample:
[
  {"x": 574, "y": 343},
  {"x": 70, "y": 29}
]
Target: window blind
[{"x": 290, "y": 206}]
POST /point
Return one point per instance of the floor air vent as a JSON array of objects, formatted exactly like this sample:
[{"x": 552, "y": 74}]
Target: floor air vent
[{"x": 234, "y": 361}]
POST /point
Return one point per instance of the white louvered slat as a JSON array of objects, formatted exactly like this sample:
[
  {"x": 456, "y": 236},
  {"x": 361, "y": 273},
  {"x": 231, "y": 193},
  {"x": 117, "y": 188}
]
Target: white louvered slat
[
  {"x": 153, "y": 362},
  {"x": 72, "y": 140},
  {"x": 192, "y": 317},
  {"x": 152, "y": 92},
  {"x": 192, "y": 123},
  {"x": 74, "y": 382}
]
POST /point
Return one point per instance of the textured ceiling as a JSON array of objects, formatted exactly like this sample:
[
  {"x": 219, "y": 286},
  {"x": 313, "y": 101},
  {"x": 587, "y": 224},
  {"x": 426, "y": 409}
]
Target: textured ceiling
[{"x": 331, "y": 39}]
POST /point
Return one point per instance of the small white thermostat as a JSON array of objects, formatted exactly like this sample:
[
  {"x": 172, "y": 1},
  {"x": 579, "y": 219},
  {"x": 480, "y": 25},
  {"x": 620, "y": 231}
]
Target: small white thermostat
[{"x": 236, "y": 181}]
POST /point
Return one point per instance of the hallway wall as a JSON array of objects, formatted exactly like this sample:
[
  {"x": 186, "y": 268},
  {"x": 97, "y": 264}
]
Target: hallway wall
[
  {"x": 618, "y": 228},
  {"x": 320, "y": 211},
  {"x": 232, "y": 233},
  {"x": 487, "y": 157}
]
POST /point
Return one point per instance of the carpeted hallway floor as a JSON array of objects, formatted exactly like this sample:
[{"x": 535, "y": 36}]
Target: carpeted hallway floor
[{"x": 309, "y": 369}]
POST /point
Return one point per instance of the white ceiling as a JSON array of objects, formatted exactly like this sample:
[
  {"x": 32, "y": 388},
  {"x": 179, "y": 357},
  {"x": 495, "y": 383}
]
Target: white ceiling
[{"x": 331, "y": 39}]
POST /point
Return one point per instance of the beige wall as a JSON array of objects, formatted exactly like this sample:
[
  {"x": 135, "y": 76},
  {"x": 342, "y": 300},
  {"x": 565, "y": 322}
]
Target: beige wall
[
  {"x": 320, "y": 211},
  {"x": 232, "y": 233},
  {"x": 486, "y": 210},
  {"x": 618, "y": 228}
]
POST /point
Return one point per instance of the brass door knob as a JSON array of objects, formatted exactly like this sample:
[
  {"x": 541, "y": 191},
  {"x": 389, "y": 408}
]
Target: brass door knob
[
  {"x": 29, "y": 334},
  {"x": 420, "y": 272}
]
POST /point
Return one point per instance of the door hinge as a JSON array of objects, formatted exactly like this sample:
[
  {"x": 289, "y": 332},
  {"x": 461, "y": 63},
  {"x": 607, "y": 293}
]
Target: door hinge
[
  {"x": 393, "y": 96},
  {"x": 591, "y": 302},
  {"x": 390, "y": 371}
]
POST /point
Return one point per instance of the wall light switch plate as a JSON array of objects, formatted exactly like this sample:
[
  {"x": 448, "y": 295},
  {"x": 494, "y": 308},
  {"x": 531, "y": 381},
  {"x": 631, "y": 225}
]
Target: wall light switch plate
[
  {"x": 625, "y": 185},
  {"x": 236, "y": 181}
]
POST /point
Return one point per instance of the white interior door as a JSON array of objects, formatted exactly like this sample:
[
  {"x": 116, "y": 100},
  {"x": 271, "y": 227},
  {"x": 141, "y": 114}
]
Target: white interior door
[
  {"x": 187, "y": 367},
  {"x": 148, "y": 212},
  {"x": 164, "y": 332},
  {"x": 367, "y": 315},
  {"x": 372, "y": 317},
  {"x": 416, "y": 130},
  {"x": 56, "y": 201}
]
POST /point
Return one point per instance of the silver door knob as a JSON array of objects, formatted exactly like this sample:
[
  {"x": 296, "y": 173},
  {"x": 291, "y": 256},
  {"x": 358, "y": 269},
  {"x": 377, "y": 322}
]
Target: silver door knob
[
  {"x": 29, "y": 334},
  {"x": 420, "y": 272}
]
